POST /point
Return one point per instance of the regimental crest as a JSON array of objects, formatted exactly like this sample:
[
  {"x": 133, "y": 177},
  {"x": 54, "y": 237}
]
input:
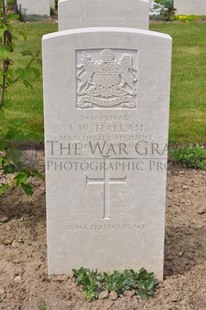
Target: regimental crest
[{"x": 107, "y": 82}]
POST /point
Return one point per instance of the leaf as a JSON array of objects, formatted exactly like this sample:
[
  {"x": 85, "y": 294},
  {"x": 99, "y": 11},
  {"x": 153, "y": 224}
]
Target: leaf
[
  {"x": 36, "y": 72},
  {"x": 21, "y": 33},
  {"x": 1, "y": 161},
  {"x": 27, "y": 53},
  {"x": 36, "y": 173},
  {"x": 10, "y": 134},
  {"x": 9, "y": 169},
  {"x": 8, "y": 96},
  {"x": 151, "y": 285},
  {"x": 21, "y": 178},
  {"x": 19, "y": 165},
  {"x": 4, "y": 52},
  {"x": 20, "y": 72},
  {"x": 27, "y": 189},
  {"x": 39, "y": 61},
  {"x": 89, "y": 294},
  {"x": 3, "y": 144},
  {"x": 11, "y": 17},
  {"x": 3, "y": 28},
  {"x": 27, "y": 84},
  {"x": 13, "y": 155},
  {"x": 3, "y": 188},
  {"x": 9, "y": 76}
]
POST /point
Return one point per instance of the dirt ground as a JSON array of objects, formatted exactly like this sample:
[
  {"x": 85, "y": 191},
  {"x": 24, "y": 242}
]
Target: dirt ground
[{"x": 23, "y": 267}]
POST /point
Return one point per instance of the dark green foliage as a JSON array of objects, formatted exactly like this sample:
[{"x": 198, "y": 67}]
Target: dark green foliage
[
  {"x": 13, "y": 169},
  {"x": 11, "y": 2},
  {"x": 52, "y": 11},
  {"x": 142, "y": 282},
  {"x": 192, "y": 156},
  {"x": 56, "y": 4}
]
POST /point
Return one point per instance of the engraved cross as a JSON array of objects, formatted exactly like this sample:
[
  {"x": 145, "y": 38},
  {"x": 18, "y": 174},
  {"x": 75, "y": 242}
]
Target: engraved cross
[{"x": 106, "y": 181}]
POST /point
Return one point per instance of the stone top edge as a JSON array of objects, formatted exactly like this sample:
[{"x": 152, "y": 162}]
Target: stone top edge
[
  {"x": 106, "y": 29},
  {"x": 147, "y": 1}
]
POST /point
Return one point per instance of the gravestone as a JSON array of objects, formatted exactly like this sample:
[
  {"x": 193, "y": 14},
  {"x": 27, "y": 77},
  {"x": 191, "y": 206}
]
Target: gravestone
[
  {"x": 98, "y": 13},
  {"x": 30, "y": 7},
  {"x": 106, "y": 99},
  {"x": 52, "y": 3},
  {"x": 190, "y": 7}
]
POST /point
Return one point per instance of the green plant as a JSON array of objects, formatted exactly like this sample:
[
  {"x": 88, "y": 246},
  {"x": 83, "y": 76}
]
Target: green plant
[
  {"x": 162, "y": 9},
  {"x": 42, "y": 305},
  {"x": 15, "y": 173},
  {"x": 52, "y": 11},
  {"x": 56, "y": 4},
  {"x": 9, "y": 76},
  {"x": 187, "y": 18},
  {"x": 11, "y": 2},
  {"x": 93, "y": 283},
  {"x": 169, "y": 14},
  {"x": 192, "y": 156}
]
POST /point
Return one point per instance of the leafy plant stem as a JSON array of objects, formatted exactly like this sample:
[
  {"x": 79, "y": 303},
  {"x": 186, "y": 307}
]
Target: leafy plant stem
[
  {"x": 5, "y": 61},
  {"x": 10, "y": 76},
  {"x": 34, "y": 57}
]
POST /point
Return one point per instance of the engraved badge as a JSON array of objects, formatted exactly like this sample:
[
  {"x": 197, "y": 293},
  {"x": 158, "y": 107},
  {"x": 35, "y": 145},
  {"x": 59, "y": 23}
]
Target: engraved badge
[{"x": 106, "y": 82}]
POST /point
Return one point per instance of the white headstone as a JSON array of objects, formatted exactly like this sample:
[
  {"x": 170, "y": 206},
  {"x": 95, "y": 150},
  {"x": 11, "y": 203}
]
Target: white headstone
[
  {"x": 40, "y": 7},
  {"x": 190, "y": 7},
  {"x": 98, "y": 13},
  {"x": 106, "y": 97},
  {"x": 52, "y": 3}
]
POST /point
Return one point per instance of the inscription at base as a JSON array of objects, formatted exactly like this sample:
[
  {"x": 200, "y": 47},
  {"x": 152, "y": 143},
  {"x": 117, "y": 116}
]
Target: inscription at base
[{"x": 105, "y": 227}]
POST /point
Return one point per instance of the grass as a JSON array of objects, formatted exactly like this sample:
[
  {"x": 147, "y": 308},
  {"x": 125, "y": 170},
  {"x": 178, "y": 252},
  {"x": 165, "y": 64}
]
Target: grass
[
  {"x": 42, "y": 305},
  {"x": 192, "y": 156},
  {"x": 24, "y": 110},
  {"x": 188, "y": 89}
]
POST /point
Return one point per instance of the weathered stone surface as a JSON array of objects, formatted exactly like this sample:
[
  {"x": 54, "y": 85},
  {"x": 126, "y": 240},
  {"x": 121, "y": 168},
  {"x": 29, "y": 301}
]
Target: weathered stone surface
[
  {"x": 52, "y": 3},
  {"x": 189, "y": 7},
  {"x": 106, "y": 97},
  {"x": 40, "y": 7},
  {"x": 108, "y": 13}
]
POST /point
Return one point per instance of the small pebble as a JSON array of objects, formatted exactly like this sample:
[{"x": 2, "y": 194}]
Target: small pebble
[
  {"x": 18, "y": 279},
  {"x": 103, "y": 295},
  {"x": 201, "y": 211},
  {"x": 7, "y": 227},
  {"x": 174, "y": 298},
  {"x": 4, "y": 219},
  {"x": 15, "y": 244},
  {"x": 129, "y": 294},
  {"x": 113, "y": 296}
]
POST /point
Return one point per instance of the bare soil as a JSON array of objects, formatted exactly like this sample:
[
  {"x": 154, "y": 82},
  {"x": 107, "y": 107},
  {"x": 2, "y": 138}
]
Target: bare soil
[{"x": 23, "y": 267}]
